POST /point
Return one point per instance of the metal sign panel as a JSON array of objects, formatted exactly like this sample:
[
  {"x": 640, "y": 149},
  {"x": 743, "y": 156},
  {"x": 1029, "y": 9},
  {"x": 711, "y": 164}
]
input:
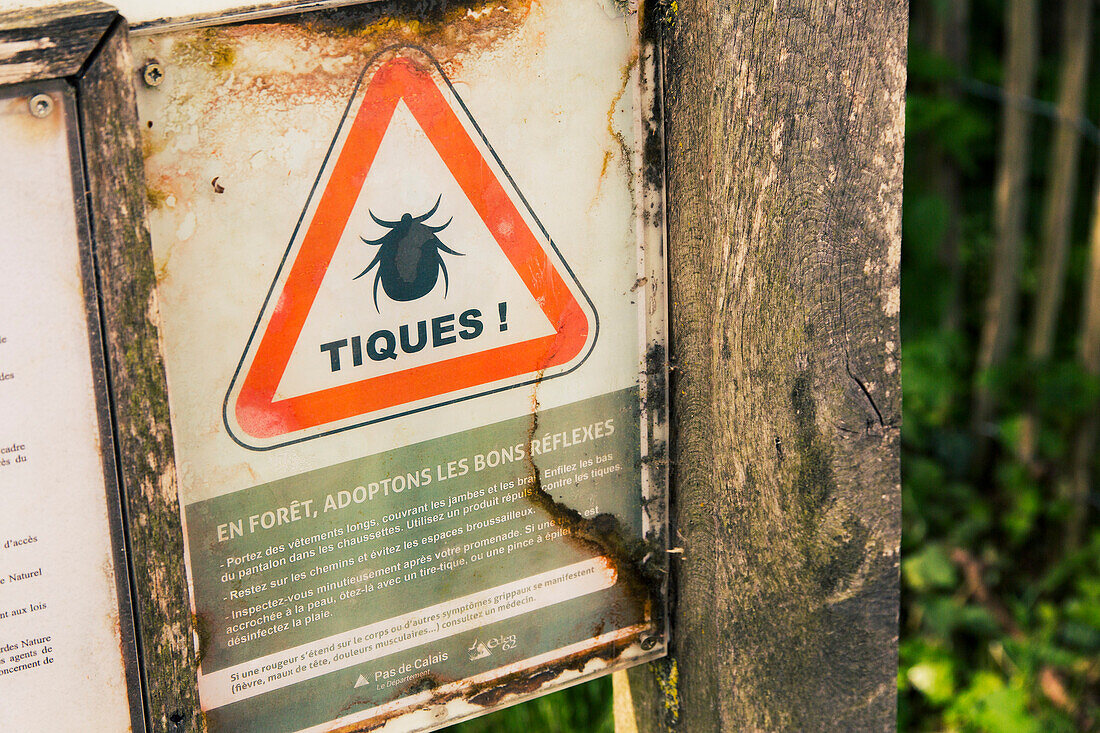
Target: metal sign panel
[
  {"x": 61, "y": 639},
  {"x": 421, "y": 446}
]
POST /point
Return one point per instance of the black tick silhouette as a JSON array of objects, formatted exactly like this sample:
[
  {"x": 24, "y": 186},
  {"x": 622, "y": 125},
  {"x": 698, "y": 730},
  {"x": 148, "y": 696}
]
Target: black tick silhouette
[{"x": 408, "y": 260}]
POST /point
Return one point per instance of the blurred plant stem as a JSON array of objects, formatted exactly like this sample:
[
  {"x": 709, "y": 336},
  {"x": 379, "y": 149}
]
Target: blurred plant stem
[
  {"x": 1088, "y": 354},
  {"x": 1061, "y": 192},
  {"x": 950, "y": 39},
  {"x": 1010, "y": 206}
]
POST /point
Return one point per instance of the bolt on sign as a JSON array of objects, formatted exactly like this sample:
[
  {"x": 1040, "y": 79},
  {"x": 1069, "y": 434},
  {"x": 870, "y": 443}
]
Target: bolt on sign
[{"x": 411, "y": 297}]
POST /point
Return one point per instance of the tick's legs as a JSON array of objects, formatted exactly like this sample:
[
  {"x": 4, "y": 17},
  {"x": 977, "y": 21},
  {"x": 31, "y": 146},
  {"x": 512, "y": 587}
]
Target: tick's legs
[
  {"x": 436, "y": 230},
  {"x": 446, "y": 280},
  {"x": 382, "y": 222},
  {"x": 427, "y": 216},
  {"x": 374, "y": 262},
  {"x": 447, "y": 249}
]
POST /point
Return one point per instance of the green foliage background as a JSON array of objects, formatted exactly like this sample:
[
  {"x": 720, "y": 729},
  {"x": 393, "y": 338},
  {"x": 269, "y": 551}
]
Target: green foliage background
[{"x": 1014, "y": 645}]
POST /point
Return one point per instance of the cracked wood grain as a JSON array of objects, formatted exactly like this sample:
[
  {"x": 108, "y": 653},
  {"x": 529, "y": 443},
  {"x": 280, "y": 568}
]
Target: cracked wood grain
[
  {"x": 52, "y": 42},
  {"x": 124, "y": 262},
  {"x": 785, "y": 127}
]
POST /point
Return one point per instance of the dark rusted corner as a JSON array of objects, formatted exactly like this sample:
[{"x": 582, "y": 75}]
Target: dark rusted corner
[
  {"x": 603, "y": 535},
  {"x": 52, "y": 42},
  {"x": 494, "y": 692}
]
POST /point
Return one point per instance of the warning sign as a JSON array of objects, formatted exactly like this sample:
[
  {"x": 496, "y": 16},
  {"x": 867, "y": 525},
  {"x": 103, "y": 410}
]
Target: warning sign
[
  {"x": 421, "y": 444},
  {"x": 417, "y": 276}
]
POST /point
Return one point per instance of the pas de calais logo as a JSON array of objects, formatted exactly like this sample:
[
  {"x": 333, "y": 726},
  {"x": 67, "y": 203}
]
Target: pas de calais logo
[
  {"x": 418, "y": 276},
  {"x": 479, "y": 650}
]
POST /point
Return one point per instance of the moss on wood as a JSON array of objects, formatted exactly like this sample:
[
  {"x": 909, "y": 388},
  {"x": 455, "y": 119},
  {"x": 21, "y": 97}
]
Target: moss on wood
[
  {"x": 784, "y": 129},
  {"x": 116, "y": 181}
]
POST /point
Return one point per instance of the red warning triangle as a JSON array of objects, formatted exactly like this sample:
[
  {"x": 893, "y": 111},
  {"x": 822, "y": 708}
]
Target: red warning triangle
[{"x": 260, "y": 414}]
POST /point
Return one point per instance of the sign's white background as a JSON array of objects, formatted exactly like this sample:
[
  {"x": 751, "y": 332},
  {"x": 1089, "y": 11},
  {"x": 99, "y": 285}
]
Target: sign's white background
[{"x": 57, "y": 495}]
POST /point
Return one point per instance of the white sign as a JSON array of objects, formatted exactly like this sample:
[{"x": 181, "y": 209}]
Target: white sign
[
  {"x": 411, "y": 295},
  {"x": 60, "y": 660}
]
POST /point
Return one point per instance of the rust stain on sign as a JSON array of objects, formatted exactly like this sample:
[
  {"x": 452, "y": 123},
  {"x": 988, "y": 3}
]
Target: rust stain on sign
[
  {"x": 340, "y": 41},
  {"x": 490, "y": 694},
  {"x": 602, "y": 535},
  {"x": 310, "y": 59}
]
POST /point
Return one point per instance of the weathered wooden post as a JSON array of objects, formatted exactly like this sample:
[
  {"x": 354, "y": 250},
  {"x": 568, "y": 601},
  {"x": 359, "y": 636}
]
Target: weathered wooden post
[{"x": 784, "y": 138}]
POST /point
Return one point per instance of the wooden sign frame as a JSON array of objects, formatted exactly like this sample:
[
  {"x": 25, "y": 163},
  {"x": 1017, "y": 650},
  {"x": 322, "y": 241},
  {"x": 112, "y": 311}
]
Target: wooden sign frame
[
  {"x": 151, "y": 16},
  {"x": 83, "y": 49}
]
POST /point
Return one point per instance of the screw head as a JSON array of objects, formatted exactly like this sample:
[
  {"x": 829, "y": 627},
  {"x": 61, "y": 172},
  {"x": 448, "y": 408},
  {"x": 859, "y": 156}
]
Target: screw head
[
  {"x": 41, "y": 105},
  {"x": 649, "y": 643},
  {"x": 153, "y": 74}
]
